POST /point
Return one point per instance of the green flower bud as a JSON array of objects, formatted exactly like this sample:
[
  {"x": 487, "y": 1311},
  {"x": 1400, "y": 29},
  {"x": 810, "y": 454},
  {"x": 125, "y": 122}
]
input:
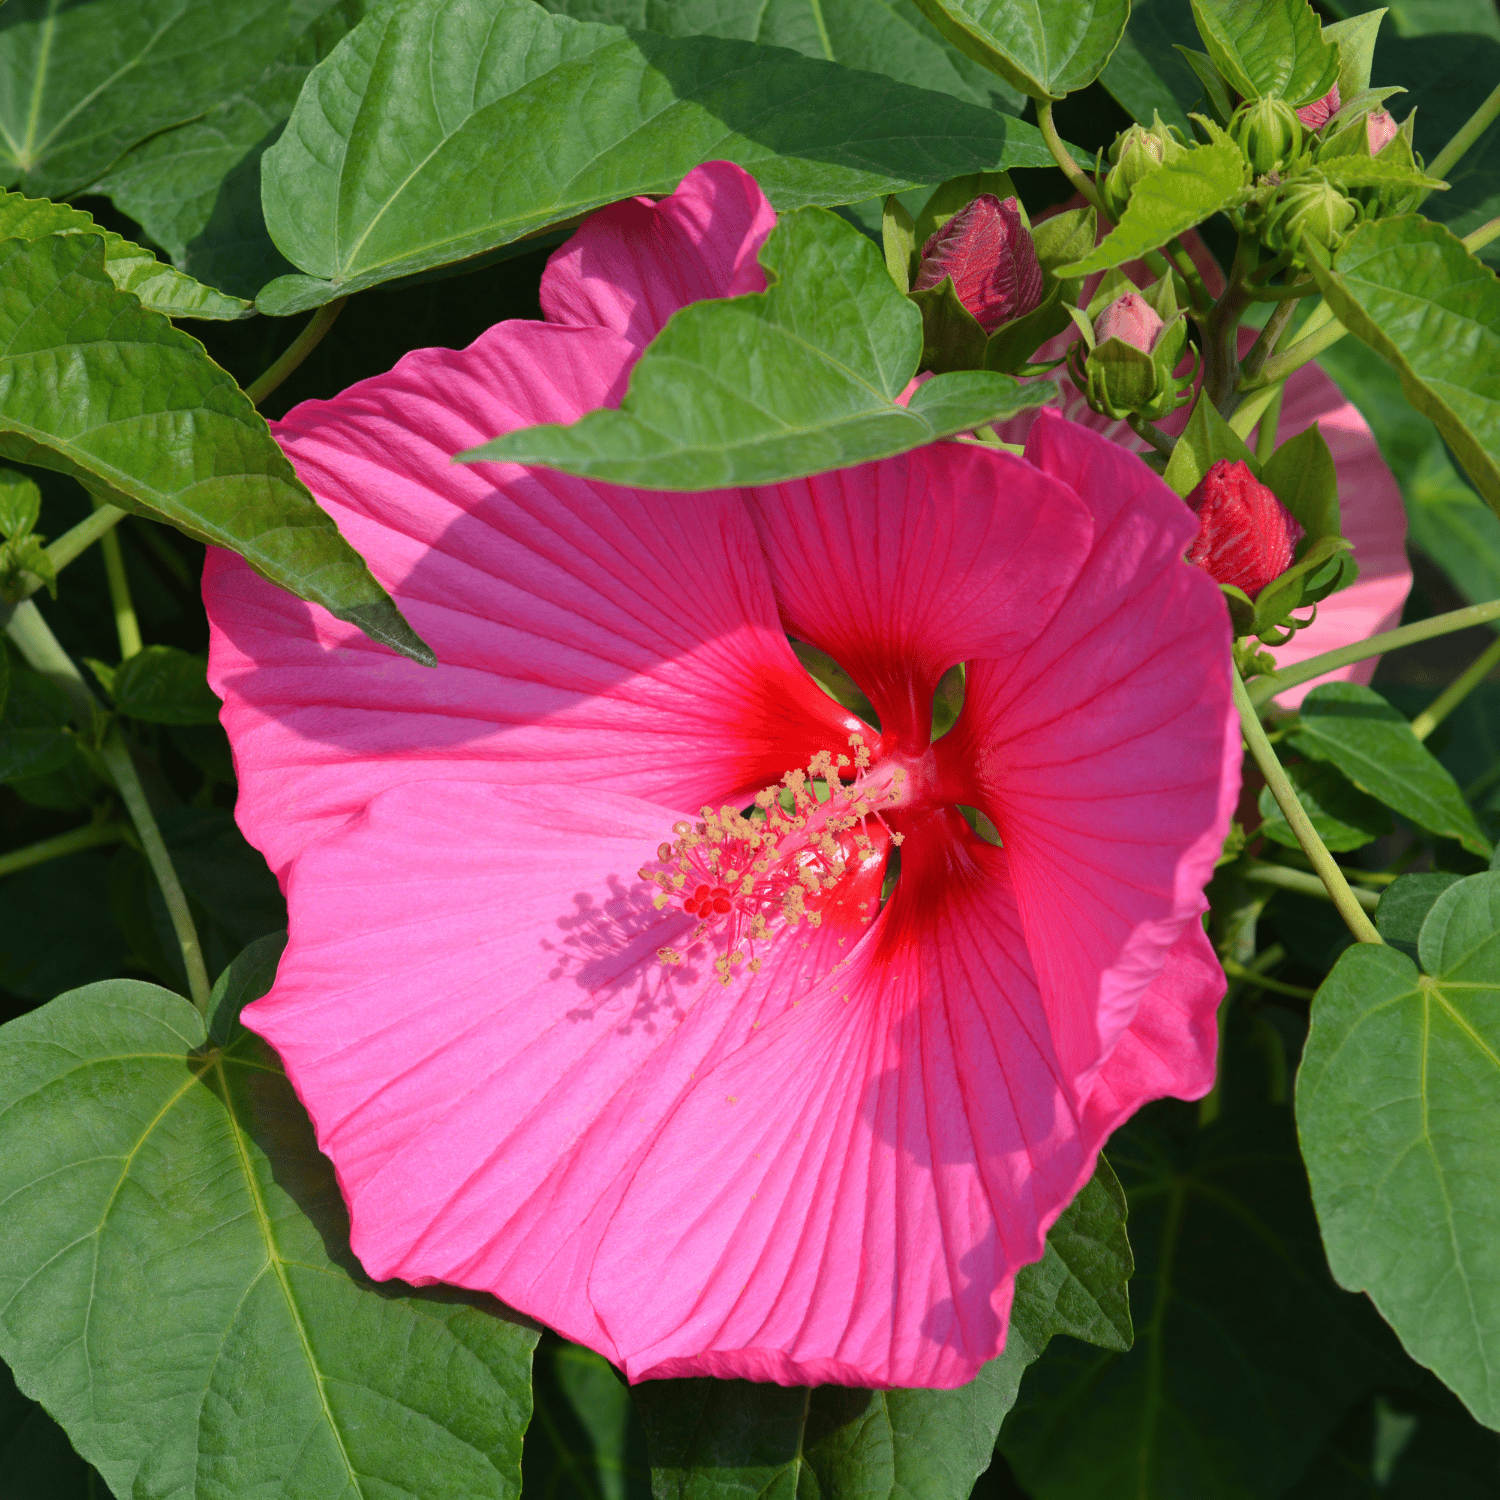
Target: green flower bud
[
  {"x": 1269, "y": 133},
  {"x": 1125, "y": 362},
  {"x": 1309, "y": 208},
  {"x": 1136, "y": 154}
]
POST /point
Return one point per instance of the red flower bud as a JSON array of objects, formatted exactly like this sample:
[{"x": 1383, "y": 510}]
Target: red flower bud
[
  {"x": 1317, "y": 114},
  {"x": 1380, "y": 130},
  {"x": 1131, "y": 319},
  {"x": 1245, "y": 534},
  {"x": 988, "y": 252}
]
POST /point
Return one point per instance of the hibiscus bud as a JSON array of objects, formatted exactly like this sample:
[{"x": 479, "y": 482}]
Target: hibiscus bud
[
  {"x": 1245, "y": 534},
  {"x": 1269, "y": 133},
  {"x": 1313, "y": 208},
  {"x": 1380, "y": 130},
  {"x": 1131, "y": 319},
  {"x": 1317, "y": 114},
  {"x": 1136, "y": 154},
  {"x": 987, "y": 250}
]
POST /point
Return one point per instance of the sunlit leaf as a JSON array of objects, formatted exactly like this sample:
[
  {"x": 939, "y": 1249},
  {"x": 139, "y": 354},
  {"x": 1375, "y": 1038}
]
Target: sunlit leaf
[{"x": 1269, "y": 47}]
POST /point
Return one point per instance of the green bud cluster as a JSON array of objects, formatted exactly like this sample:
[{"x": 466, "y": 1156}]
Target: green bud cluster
[
  {"x": 1118, "y": 378},
  {"x": 1270, "y": 135}
]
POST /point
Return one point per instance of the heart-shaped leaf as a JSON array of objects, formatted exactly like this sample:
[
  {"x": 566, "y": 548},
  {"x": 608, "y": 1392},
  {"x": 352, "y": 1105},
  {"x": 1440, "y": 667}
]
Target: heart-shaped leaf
[
  {"x": 386, "y": 168},
  {"x": 1269, "y": 47},
  {"x": 177, "y": 1288},
  {"x": 796, "y": 380}
]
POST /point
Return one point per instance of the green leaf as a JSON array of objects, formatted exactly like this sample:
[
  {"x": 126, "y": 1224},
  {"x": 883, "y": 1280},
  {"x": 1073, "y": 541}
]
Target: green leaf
[
  {"x": 1246, "y": 1353},
  {"x": 1205, "y": 440},
  {"x": 1355, "y": 39},
  {"x": 1168, "y": 202},
  {"x": 1404, "y": 905},
  {"x": 129, "y": 266},
  {"x": 1147, "y": 74},
  {"x": 35, "y": 730},
  {"x": 1372, "y": 744},
  {"x": 20, "y": 503},
  {"x": 1400, "y": 1075},
  {"x": 82, "y": 83},
  {"x": 35, "y": 1456},
  {"x": 1047, "y": 51},
  {"x": 723, "y": 1439},
  {"x": 196, "y": 189},
  {"x": 1352, "y": 171},
  {"x": 177, "y": 1284},
  {"x": 1409, "y": 289},
  {"x": 1342, "y": 815},
  {"x": 878, "y": 36},
  {"x": 163, "y": 685},
  {"x": 1273, "y": 47},
  {"x": 383, "y": 172},
  {"x": 796, "y": 380},
  {"x": 55, "y": 927},
  {"x": 121, "y": 377}
]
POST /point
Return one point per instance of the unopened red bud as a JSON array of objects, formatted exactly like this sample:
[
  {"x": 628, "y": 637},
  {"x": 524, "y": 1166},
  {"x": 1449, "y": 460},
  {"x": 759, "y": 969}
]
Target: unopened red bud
[
  {"x": 1317, "y": 114},
  {"x": 1380, "y": 130},
  {"x": 1132, "y": 320},
  {"x": 987, "y": 250},
  {"x": 1245, "y": 534}
]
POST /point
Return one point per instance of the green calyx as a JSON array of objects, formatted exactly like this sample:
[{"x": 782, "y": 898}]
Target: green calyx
[
  {"x": 1270, "y": 134},
  {"x": 1136, "y": 154},
  {"x": 1116, "y": 378}
]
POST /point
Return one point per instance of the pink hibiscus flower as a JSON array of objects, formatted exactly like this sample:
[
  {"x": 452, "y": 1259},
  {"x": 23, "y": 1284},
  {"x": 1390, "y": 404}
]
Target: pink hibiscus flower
[
  {"x": 513, "y": 1031},
  {"x": 1372, "y": 512}
]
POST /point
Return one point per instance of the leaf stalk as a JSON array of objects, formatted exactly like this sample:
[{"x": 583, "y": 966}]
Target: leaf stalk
[{"x": 298, "y": 350}]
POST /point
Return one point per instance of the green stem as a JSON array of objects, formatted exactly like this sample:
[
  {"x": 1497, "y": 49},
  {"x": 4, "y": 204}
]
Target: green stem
[
  {"x": 1455, "y": 693},
  {"x": 1250, "y": 410},
  {"x": 1258, "y": 981},
  {"x": 1349, "y": 904},
  {"x": 1304, "y": 883},
  {"x": 63, "y": 843},
  {"x": 149, "y": 532},
  {"x": 126, "y": 626},
  {"x": 1197, "y": 293},
  {"x": 1267, "y": 688},
  {"x": 1064, "y": 159},
  {"x": 1321, "y": 331},
  {"x": 1255, "y": 356},
  {"x": 1293, "y": 293},
  {"x": 1221, "y": 363},
  {"x": 298, "y": 350},
  {"x": 1270, "y": 421},
  {"x": 1150, "y": 433},
  {"x": 40, "y": 647},
  {"x": 1477, "y": 239},
  {"x": 73, "y": 543},
  {"x": 1474, "y": 127}
]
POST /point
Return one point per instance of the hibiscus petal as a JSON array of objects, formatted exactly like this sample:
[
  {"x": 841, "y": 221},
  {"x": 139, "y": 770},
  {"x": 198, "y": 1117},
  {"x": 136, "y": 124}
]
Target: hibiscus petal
[
  {"x": 1107, "y": 752},
  {"x": 849, "y": 1196},
  {"x": 901, "y": 568},
  {"x": 472, "y": 1009},
  {"x": 1373, "y": 517},
  {"x": 632, "y": 265},
  {"x": 615, "y": 636}
]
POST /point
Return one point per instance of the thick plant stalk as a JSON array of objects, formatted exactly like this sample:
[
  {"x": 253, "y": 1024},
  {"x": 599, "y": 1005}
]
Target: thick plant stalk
[
  {"x": 40, "y": 647},
  {"x": 127, "y": 628},
  {"x": 1350, "y": 908},
  {"x": 1472, "y": 128},
  {"x": 1061, "y": 155}
]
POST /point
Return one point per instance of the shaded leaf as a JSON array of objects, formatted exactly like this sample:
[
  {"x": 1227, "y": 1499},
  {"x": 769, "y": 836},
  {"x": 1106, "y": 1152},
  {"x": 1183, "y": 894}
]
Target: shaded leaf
[
  {"x": 1409, "y": 289},
  {"x": 1147, "y": 74},
  {"x": 36, "y": 1458},
  {"x": 55, "y": 927},
  {"x": 20, "y": 503},
  {"x": 163, "y": 685},
  {"x": 1373, "y": 745},
  {"x": 796, "y": 380},
  {"x": 1269, "y": 47},
  {"x": 1344, "y": 817},
  {"x": 724, "y": 1439},
  {"x": 1398, "y": 1081},
  {"x": 1044, "y": 50},
  {"x": 207, "y": 1210},
  {"x": 36, "y": 733},
  {"x": 385, "y": 169},
  {"x": 1230, "y": 1279},
  {"x": 1168, "y": 202},
  {"x": 129, "y": 377},
  {"x": 1404, "y": 905},
  {"x": 82, "y": 83}
]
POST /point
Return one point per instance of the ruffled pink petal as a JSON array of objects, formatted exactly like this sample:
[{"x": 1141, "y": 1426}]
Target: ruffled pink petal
[
  {"x": 472, "y": 1009},
  {"x": 1107, "y": 752},
  {"x": 901, "y": 568},
  {"x": 632, "y": 265},
  {"x": 848, "y": 1197},
  {"x": 1373, "y": 517},
  {"x": 605, "y": 635}
]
